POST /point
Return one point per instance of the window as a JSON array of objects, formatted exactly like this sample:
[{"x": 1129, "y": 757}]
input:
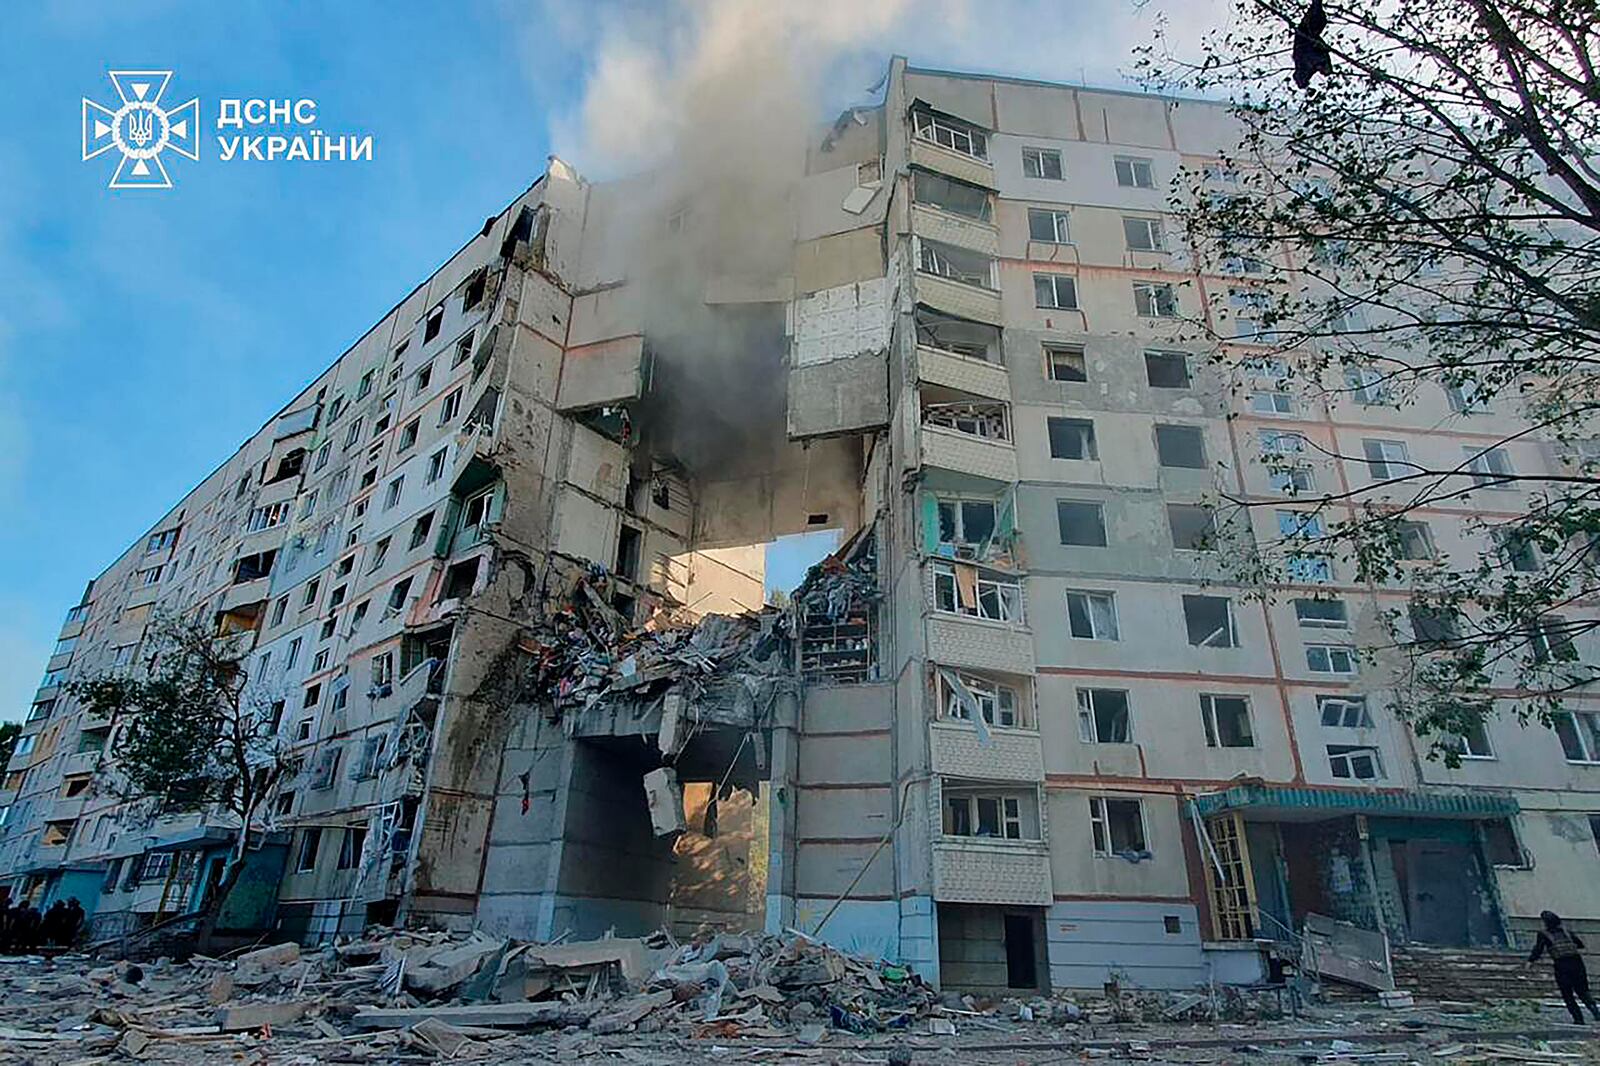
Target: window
[
  {"x": 424, "y": 378},
  {"x": 965, "y": 590},
  {"x": 435, "y": 466},
  {"x": 372, "y": 758},
  {"x": 351, "y": 844},
  {"x": 327, "y": 768},
  {"x": 408, "y": 435},
  {"x": 352, "y": 434},
  {"x": 312, "y": 697},
  {"x": 1209, "y": 621},
  {"x": 419, "y": 531},
  {"x": 1181, "y": 446},
  {"x": 1221, "y": 173},
  {"x": 1321, "y": 614},
  {"x": 357, "y": 615},
  {"x": 319, "y": 661},
  {"x": 1065, "y": 364},
  {"x": 955, "y": 263},
  {"x": 1272, "y": 402},
  {"x": 1167, "y": 370},
  {"x": 310, "y": 843},
  {"x": 1344, "y": 712},
  {"x": 1059, "y": 291},
  {"x": 965, "y": 522},
  {"x": 365, "y": 385},
  {"x": 463, "y": 350},
  {"x": 954, "y": 196},
  {"x": 380, "y": 552},
  {"x": 302, "y": 729},
  {"x": 1154, "y": 299},
  {"x": 1386, "y": 459},
  {"x": 1082, "y": 523},
  {"x": 1072, "y": 438},
  {"x": 1357, "y": 762},
  {"x": 451, "y": 406},
  {"x": 983, "y": 816},
  {"x": 1048, "y": 226},
  {"x": 1474, "y": 743},
  {"x": 1303, "y": 525},
  {"x": 274, "y": 514},
  {"x": 1487, "y": 466},
  {"x": 1466, "y": 397},
  {"x": 1579, "y": 732},
  {"x": 1550, "y": 639},
  {"x": 1041, "y": 163},
  {"x": 308, "y": 505},
  {"x": 951, "y": 133},
  {"x": 309, "y": 597},
  {"x": 1135, "y": 173},
  {"x": 1415, "y": 539},
  {"x": 476, "y": 285},
  {"x": 392, "y": 496},
  {"x": 431, "y": 328},
  {"x": 478, "y": 511},
  {"x": 1227, "y": 722},
  {"x": 1117, "y": 826},
  {"x": 1366, "y": 385},
  {"x": 345, "y": 566},
  {"x": 156, "y": 866},
  {"x": 1092, "y": 615},
  {"x": 1517, "y": 551},
  {"x": 997, "y": 703},
  {"x": 397, "y": 595},
  {"x": 160, "y": 542},
  {"x": 1291, "y": 481},
  {"x": 294, "y": 652},
  {"x": 630, "y": 545},
  {"x": 1501, "y": 847},
  {"x": 1142, "y": 234},
  {"x": 383, "y": 669},
  {"x": 1330, "y": 659},
  {"x": 1193, "y": 527},
  {"x": 1104, "y": 716}
]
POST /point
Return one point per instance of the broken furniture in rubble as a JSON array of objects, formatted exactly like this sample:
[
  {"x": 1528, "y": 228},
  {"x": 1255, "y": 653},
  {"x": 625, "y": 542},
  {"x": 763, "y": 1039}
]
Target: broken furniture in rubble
[{"x": 837, "y": 609}]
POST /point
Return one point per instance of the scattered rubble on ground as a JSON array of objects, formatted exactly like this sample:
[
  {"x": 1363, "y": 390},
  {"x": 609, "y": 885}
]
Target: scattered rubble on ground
[{"x": 417, "y": 996}]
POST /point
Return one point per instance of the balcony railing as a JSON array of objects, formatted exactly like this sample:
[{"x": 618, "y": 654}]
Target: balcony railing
[
  {"x": 1010, "y": 754},
  {"x": 959, "y": 165},
  {"x": 936, "y": 366},
  {"x": 980, "y": 870}
]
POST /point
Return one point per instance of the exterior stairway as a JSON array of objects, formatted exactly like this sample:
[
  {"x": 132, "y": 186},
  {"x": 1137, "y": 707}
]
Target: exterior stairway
[{"x": 1470, "y": 974}]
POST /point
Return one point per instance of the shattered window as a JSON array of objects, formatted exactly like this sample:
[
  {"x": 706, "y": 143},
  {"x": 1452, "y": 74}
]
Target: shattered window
[
  {"x": 1167, "y": 370},
  {"x": 958, "y": 264},
  {"x": 1081, "y": 523},
  {"x": 1181, "y": 446},
  {"x": 1092, "y": 616},
  {"x": 1104, "y": 716},
  {"x": 950, "y": 195},
  {"x": 1117, "y": 825},
  {"x": 965, "y": 521},
  {"x": 1155, "y": 299},
  {"x": 1066, "y": 364},
  {"x": 1072, "y": 438},
  {"x": 1209, "y": 621},
  {"x": 1227, "y": 721},
  {"x": 951, "y": 133},
  {"x": 964, "y": 589},
  {"x": 1193, "y": 527}
]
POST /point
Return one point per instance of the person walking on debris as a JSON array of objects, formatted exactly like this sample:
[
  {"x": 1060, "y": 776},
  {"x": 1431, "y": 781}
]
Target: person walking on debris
[{"x": 1566, "y": 951}]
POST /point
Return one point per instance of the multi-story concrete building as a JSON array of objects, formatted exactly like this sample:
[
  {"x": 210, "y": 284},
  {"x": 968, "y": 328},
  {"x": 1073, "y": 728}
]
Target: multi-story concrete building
[{"x": 969, "y": 354}]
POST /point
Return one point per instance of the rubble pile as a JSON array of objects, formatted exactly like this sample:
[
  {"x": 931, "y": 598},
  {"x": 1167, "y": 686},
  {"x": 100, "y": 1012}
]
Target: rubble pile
[{"x": 586, "y": 651}]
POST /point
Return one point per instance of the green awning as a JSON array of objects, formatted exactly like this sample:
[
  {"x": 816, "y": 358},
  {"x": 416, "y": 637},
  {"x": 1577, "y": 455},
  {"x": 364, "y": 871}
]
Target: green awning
[{"x": 1315, "y": 804}]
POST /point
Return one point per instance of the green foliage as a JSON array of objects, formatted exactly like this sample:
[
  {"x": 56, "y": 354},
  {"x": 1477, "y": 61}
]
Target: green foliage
[{"x": 1426, "y": 218}]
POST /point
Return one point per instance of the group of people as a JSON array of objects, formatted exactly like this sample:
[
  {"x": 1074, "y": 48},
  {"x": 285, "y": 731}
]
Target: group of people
[{"x": 24, "y": 930}]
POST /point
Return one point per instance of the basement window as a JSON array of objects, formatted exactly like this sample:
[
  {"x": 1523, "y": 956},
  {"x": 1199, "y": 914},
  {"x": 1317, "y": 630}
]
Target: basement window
[
  {"x": 1209, "y": 621},
  {"x": 1066, "y": 364},
  {"x": 1167, "y": 370},
  {"x": 1104, "y": 716},
  {"x": 1227, "y": 722},
  {"x": 1182, "y": 447},
  {"x": 1117, "y": 825},
  {"x": 1082, "y": 523}
]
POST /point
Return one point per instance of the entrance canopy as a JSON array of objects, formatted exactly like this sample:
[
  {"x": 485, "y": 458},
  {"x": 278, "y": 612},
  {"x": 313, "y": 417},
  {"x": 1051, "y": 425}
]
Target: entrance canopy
[{"x": 1269, "y": 803}]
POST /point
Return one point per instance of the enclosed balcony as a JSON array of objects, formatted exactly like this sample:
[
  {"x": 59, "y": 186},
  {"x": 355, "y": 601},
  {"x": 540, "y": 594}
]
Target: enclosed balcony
[
  {"x": 978, "y": 620},
  {"x": 1007, "y": 748},
  {"x": 957, "y": 281},
  {"x": 966, "y": 440},
  {"x": 950, "y": 146},
  {"x": 991, "y": 846}
]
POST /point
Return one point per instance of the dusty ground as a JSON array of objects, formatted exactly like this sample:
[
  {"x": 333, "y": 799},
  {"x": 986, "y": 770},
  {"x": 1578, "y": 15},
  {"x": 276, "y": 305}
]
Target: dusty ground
[{"x": 72, "y": 1010}]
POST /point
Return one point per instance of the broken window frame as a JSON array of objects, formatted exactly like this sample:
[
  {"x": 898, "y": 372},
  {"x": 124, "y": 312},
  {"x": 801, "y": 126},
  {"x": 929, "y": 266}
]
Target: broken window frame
[
  {"x": 1155, "y": 299},
  {"x": 1228, "y": 631},
  {"x": 1049, "y": 225},
  {"x": 950, "y": 134},
  {"x": 1037, "y": 163},
  {"x": 1207, "y": 541},
  {"x": 309, "y": 846},
  {"x": 995, "y": 599},
  {"x": 352, "y": 843},
  {"x": 944, "y": 193},
  {"x": 1344, "y": 712},
  {"x": 1175, "y": 434},
  {"x": 1065, "y": 363},
  {"x": 965, "y": 816},
  {"x": 1354, "y": 759},
  {"x": 1051, "y": 287},
  {"x": 463, "y": 348},
  {"x": 1292, "y": 480},
  {"x": 419, "y": 531},
  {"x": 450, "y": 406},
  {"x": 956, "y": 509},
  {"x": 1337, "y": 615},
  {"x": 436, "y": 465},
  {"x": 1064, "y": 506},
  {"x": 1212, "y": 724},
  {"x": 984, "y": 419},
  {"x": 1067, "y": 434},
  {"x": 1157, "y": 357},
  {"x": 999, "y": 704},
  {"x": 1092, "y": 615},
  {"x": 1103, "y": 825},
  {"x": 1090, "y": 712},
  {"x": 955, "y": 263}
]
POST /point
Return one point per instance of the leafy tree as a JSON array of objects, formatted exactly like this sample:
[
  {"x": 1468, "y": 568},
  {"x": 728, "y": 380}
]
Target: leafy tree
[
  {"x": 188, "y": 737},
  {"x": 9, "y": 732},
  {"x": 1424, "y": 217}
]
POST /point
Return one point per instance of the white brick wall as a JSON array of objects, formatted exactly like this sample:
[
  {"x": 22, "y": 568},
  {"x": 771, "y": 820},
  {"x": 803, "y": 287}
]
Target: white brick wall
[
  {"x": 960, "y": 372},
  {"x": 959, "y": 299},
  {"x": 950, "y": 449},
  {"x": 1011, "y": 755},
  {"x": 979, "y": 645},
  {"x": 1012, "y": 872},
  {"x": 950, "y": 228}
]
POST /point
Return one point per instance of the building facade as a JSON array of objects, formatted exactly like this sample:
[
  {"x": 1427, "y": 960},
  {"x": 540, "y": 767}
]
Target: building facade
[{"x": 1059, "y": 741}]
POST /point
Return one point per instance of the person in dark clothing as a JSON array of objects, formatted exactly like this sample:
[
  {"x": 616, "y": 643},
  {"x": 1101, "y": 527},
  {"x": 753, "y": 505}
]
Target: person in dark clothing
[
  {"x": 26, "y": 936},
  {"x": 51, "y": 925},
  {"x": 1566, "y": 952},
  {"x": 72, "y": 925}
]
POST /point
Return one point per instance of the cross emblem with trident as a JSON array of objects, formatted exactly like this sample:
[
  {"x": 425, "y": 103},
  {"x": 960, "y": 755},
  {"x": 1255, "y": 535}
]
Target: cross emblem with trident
[{"x": 141, "y": 129}]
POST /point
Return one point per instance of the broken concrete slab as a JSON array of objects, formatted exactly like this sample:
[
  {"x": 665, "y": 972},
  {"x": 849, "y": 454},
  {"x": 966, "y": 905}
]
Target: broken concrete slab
[
  {"x": 259, "y": 966},
  {"x": 243, "y": 1017},
  {"x": 445, "y": 968},
  {"x": 488, "y": 1015},
  {"x": 616, "y": 1021},
  {"x": 636, "y": 958},
  {"x": 665, "y": 800}
]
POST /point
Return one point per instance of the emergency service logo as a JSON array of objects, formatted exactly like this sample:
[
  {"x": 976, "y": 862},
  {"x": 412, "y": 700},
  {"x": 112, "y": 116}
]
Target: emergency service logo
[{"x": 141, "y": 129}]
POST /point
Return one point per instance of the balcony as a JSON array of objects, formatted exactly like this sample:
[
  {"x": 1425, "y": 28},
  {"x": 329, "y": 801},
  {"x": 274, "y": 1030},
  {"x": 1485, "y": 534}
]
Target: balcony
[
  {"x": 954, "y": 164},
  {"x": 244, "y": 593},
  {"x": 1010, "y": 755},
  {"x": 928, "y": 220},
  {"x": 73, "y": 626},
  {"x": 80, "y": 762},
  {"x": 967, "y": 455},
  {"x": 959, "y": 298},
  {"x": 58, "y": 662},
  {"x": 971, "y": 870},
  {"x": 978, "y": 644},
  {"x": 953, "y": 370},
  {"x": 67, "y": 810}
]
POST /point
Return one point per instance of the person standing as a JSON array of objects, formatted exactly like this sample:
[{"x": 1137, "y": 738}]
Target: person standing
[{"x": 1566, "y": 953}]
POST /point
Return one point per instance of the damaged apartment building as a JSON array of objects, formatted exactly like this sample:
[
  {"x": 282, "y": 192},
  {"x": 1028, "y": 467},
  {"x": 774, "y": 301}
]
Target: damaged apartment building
[{"x": 500, "y": 572}]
